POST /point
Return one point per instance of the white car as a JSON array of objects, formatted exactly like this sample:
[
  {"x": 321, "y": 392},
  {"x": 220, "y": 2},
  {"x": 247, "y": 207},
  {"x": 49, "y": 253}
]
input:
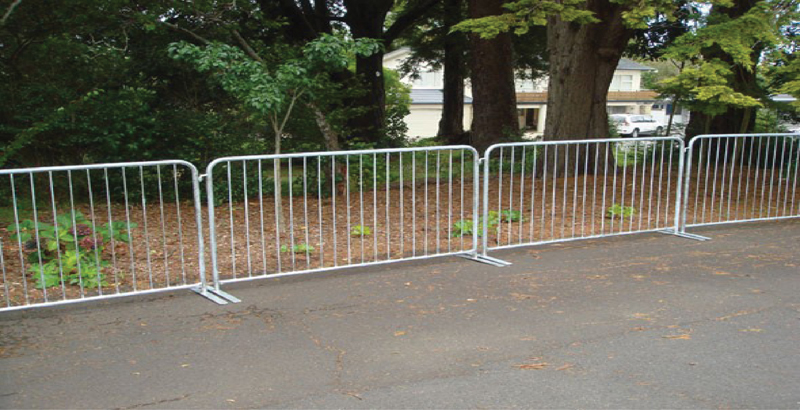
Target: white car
[{"x": 636, "y": 125}]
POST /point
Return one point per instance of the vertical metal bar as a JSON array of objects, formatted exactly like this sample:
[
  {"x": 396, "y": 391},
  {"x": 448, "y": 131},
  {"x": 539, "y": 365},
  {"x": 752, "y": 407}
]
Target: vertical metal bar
[
  {"x": 689, "y": 155},
  {"x": 111, "y": 231},
  {"x": 633, "y": 189},
  {"x": 388, "y": 201},
  {"x": 499, "y": 228},
  {"x": 585, "y": 177},
  {"x": 361, "y": 200},
  {"x": 475, "y": 201},
  {"x": 260, "y": 170},
  {"x": 426, "y": 204},
  {"x": 705, "y": 189},
  {"x": 759, "y": 164},
  {"x": 414, "y": 204},
  {"x": 565, "y": 179},
  {"x": 319, "y": 213},
  {"x": 438, "y": 221},
  {"x": 5, "y": 279},
  {"x": 485, "y": 213},
  {"x": 724, "y": 174},
  {"x": 646, "y": 149},
  {"x": 57, "y": 236},
  {"x": 780, "y": 174},
  {"x": 146, "y": 235},
  {"x": 652, "y": 178},
  {"x": 128, "y": 224},
  {"x": 678, "y": 191},
  {"x": 764, "y": 178},
  {"x": 796, "y": 168},
  {"x": 246, "y": 220},
  {"x": 772, "y": 178},
  {"x": 614, "y": 187},
  {"x": 74, "y": 233},
  {"x": 730, "y": 181},
  {"x": 278, "y": 211},
  {"x": 594, "y": 186},
  {"x": 534, "y": 171},
  {"x": 402, "y": 216},
  {"x": 700, "y": 158},
  {"x": 22, "y": 269},
  {"x": 161, "y": 215},
  {"x": 292, "y": 245},
  {"x": 212, "y": 224},
  {"x": 305, "y": 211},
  {"x": 575, "y": 188},
  {"x": 521, "y": 193},
  {"x": 788, "y": 178},
  {"x": 333, "y": 210},
  {"x": 474, "y": 231},
  {"x": 230, "y": 213},
  {"x": 180, "y": 222},
  {"x": 661, "y": 182},
  {"x": 198, "y": 219},
  {"x": 94, "y": 233},
  {"x": 749, "y": 149},
  {"x": 624, "y": 191},
  {"x": 375, "y": 205},
  {"x": 605, "y": 185},
  {"x": 555, "y": 185},
  {"x": 450, "y": 201},
  {"x": 544, "y": 192},
  {"x": 510, "y": 195}
]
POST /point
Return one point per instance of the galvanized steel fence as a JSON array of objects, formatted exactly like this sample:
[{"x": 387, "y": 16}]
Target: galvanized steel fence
[
  {"x": 555, "y": 191},
  {"x": 739, "y": 178},
  {"x": 100, "y": 231},
  {"x": 277, "y": 215}
]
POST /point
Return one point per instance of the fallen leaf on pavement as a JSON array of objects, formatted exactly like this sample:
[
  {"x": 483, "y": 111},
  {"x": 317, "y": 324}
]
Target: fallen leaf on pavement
[
  {"x": 681, "y": 337},
  {"x": 532, "y": 366}
]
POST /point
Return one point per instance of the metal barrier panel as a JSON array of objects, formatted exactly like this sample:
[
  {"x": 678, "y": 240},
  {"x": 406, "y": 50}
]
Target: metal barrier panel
[
  {"x": 277, "y": 215},
  {"x": 741, "y": 177},
  {"x": 554, "y": 191},
  {"x": 76, "y": 233}
]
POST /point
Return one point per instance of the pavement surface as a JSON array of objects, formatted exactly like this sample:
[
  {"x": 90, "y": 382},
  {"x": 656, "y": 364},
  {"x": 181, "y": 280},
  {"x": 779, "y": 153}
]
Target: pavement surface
[{"x": 643, "y": 321}]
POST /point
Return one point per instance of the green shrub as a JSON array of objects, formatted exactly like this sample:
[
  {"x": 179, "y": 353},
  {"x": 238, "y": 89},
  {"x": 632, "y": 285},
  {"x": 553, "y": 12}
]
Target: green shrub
[{"x": 617, "y": 210}]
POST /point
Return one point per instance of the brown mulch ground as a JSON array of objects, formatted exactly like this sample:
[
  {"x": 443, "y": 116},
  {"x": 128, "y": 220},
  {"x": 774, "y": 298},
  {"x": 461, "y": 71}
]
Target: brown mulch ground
[{"x": 400, "y": 225}]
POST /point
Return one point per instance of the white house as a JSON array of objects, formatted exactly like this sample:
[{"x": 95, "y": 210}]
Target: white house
[{"x": 625, "y": 95}]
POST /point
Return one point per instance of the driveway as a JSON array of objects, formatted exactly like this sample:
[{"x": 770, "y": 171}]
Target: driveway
[{"x": 643, "y": 321}]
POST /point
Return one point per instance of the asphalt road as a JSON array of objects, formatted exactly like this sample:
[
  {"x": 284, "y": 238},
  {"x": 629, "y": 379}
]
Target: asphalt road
[{"x": 647, "y": 321}]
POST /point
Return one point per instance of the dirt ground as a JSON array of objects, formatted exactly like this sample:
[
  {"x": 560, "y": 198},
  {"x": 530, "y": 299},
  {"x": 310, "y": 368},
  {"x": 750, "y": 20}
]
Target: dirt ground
[{"x": 400, "y": 222}]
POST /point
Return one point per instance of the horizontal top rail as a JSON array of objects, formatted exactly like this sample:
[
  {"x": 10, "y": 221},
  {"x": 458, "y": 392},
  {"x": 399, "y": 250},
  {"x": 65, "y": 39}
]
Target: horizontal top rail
[
  {"x": 96, "y": 166},
  {"x": 584, "y": 141},
  {"x": 344, "y": 152}
]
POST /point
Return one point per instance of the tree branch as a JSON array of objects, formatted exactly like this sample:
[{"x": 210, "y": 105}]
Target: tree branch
[
  {"x": 186, "y": 31},
  {"x": 406, "y": 19},
  {"x": 246, "y": 46},
  {"x": 8, "y": 12}
]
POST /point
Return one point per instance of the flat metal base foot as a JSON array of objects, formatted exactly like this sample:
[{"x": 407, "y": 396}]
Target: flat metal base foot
[
  {"x": 217, "y": 296},
  {"x": 685, "y": 235},
  {"x": 487, "y": 260}
]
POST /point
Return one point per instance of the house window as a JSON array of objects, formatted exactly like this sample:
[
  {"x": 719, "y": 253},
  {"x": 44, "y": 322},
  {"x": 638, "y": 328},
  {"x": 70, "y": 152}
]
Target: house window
[
  {"x": 429, "y": 79},
  {"x": 622, "y": 82}
]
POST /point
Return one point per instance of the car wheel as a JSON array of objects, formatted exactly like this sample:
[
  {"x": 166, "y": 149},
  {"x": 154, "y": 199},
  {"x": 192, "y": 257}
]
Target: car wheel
[
  {"x": 659, "y": 131},
  {"x": 635, "y": 133}
]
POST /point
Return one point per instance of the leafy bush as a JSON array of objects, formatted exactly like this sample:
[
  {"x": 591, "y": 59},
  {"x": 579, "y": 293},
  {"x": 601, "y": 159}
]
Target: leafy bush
[
  {"x": 68, "y": 249},
  {"x": 617, "y": 210},
  {"x": 299, "y": 248},
  {"x": 511, "y": 215},
  {"x": 359, "y": 230}
]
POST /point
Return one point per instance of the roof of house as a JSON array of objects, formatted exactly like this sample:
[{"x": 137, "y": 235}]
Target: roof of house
[
  {"x": 626, "y": 64},
  {"x": 423, "y": 96}
]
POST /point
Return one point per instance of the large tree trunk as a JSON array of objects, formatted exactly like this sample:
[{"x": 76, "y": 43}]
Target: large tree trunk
[
  {"x": 583, "y": 58},
  {"x": 451, "y": 126},
  {"x": 494, "y": 102},
  {"x": 366, "y": 20}
]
